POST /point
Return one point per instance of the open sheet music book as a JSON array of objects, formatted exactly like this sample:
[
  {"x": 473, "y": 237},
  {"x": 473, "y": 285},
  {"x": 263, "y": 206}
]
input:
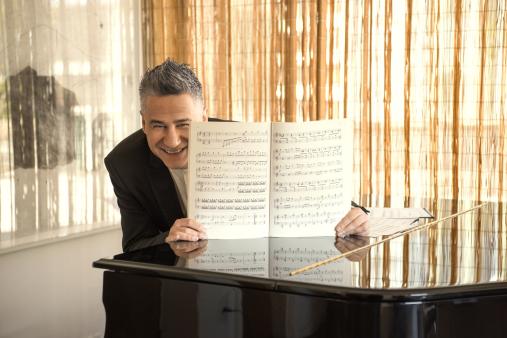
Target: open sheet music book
[{"x": 283, "y": 179}]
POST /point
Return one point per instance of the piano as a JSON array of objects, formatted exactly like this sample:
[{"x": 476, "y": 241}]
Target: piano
[{"x": 449, "y": 280}]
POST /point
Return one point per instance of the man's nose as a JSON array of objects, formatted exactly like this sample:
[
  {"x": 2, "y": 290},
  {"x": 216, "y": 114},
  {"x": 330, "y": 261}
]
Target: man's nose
[{"x": 171, "y": 137}]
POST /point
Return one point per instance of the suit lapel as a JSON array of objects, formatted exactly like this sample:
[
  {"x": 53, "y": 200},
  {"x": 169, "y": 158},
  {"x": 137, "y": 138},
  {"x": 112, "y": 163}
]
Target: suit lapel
[{"x": 164, "y": 189}]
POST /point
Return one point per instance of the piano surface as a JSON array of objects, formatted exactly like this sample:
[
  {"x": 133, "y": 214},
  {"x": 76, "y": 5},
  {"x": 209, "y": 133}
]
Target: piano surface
[{"x": 446, "y": 281}]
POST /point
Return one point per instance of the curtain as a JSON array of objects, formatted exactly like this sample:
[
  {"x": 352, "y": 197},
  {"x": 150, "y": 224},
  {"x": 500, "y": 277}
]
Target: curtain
[
  {"x": 424, "y": 81},
  {"x": 69, "y": 72}
]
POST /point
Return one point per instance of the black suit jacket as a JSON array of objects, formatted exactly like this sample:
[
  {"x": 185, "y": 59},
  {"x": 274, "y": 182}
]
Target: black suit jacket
[{"x": 145, "y": 190}]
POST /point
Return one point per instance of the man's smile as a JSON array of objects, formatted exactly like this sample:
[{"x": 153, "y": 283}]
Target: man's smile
[{"x": 172, "y": 151}]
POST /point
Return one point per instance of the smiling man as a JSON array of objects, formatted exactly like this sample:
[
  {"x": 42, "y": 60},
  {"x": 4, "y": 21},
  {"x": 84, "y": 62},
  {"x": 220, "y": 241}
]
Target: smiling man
[{"x": 148, "y": 169}]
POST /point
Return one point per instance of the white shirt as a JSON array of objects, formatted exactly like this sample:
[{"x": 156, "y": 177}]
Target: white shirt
[{"x": 180, "y": 179}]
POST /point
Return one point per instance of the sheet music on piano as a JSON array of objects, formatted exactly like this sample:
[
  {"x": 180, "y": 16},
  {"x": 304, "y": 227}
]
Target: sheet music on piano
[{"x": 249, "y": 180}]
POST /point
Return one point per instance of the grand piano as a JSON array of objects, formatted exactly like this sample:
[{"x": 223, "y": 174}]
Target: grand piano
[{"x": 446, "y": 281}]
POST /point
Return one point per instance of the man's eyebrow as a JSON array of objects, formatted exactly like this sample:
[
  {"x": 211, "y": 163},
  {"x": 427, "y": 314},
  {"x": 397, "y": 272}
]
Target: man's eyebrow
[
  {"x": 156, "y": 122},
  {"x": 182, "y": 120}
]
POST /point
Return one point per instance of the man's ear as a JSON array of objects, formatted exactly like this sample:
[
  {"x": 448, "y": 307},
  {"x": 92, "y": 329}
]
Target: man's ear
[{"x": 143, "y": 122}]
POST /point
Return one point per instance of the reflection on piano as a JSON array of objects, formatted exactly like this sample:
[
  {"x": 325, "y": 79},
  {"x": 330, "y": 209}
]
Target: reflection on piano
[{"x": 449, "y": 281}]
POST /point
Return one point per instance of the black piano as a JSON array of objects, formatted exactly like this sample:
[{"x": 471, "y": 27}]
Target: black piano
[{"x": 447, "y": 281}]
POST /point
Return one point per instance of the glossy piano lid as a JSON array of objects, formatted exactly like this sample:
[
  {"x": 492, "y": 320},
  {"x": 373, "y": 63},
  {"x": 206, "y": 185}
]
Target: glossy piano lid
[{"x": 467, "y": 251}]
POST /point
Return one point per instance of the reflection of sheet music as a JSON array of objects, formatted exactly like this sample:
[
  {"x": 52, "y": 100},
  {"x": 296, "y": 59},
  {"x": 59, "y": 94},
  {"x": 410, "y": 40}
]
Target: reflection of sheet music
[
  {"x": 237, "y": 256},
  {"x": 229, "y": 178},
  {"x": 311, "y": 166},
  {"x": 275, "y": 258},
  {"x": 287, "y": 255}
]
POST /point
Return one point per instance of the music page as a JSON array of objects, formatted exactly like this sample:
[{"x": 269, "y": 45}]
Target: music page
[
  {"x": 237, "y": 256},
  {"x": 311, "y": 176},
  {"x": 228, "y": 185}
]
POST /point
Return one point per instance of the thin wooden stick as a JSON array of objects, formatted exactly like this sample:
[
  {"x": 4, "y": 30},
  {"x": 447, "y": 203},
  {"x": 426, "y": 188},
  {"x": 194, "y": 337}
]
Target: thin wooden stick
[{"x": 405, "y": 232}]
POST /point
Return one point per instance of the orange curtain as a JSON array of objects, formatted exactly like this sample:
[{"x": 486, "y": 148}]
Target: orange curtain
[{"x": 424, "y": 82}]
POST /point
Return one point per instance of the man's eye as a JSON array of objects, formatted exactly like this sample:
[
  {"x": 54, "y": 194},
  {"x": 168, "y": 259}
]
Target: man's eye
[
  {"x": 157, "y": 126},
  {"x": 183, "y": 125}
]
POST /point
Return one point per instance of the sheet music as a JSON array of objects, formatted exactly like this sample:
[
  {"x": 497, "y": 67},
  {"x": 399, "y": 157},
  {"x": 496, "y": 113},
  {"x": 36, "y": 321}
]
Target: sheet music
[
  {"x": 413, "y": 213},
  {"x": 311, "y": 175},
  {"x": 236, "y": 256},
  {"x": 380, "y": 226},
  {"x": 228, "y": 188},
  {"x": 287, "y": 255}
]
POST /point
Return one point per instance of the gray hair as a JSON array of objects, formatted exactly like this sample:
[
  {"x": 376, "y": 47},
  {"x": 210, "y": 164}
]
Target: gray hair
[{"x": 170, "y": 78}]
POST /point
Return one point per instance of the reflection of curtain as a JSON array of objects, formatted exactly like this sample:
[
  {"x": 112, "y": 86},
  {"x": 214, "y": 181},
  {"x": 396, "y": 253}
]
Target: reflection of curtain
[{"x": 425, "y": 82}]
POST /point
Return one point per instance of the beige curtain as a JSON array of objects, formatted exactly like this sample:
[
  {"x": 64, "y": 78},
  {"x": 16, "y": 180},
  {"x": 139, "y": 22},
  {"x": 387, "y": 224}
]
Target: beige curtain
[{"x": 424, "y": 81}]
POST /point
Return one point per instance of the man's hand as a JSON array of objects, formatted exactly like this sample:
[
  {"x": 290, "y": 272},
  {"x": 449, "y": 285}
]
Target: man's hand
[
  {"x": 345, "y": 245},
  {"x": 355, "y": 222},
  {"x": 186, "y": 229},
  {"x": 189, "y": 249}
]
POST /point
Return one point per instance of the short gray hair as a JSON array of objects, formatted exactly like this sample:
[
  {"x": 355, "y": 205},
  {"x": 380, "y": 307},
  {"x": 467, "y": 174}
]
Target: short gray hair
[{"x": 170, "y": 78}]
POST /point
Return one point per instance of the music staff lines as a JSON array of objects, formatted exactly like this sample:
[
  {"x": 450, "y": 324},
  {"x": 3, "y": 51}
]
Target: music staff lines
[
  {"x": 302, "y": 173},
  {"x": 231, "y": 176},
  {"x": 316, "y": 204},
  {"x": 227, "y": 139},
  {"x": 297, "y": 153},
  {"x": 225, "y": 220},
  {"x": 232, "y": 186},
  {"x": 307, "y": 137},
  {"x": 231, "y": 203},
  {"x": 308, "y": 165},
  {"x": 308, "y": 185},
  {"x": 229, "y": 153},
  {"x": 233, "y": 257},
  {"x": 310, "y": 217}
]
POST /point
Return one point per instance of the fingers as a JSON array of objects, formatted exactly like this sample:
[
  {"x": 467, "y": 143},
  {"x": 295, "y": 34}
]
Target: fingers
[
  {"x": 189, "y": 249},
  {"x": 189, "y": 223},
  {"x": 345, "y": 245},
  {"x": 354, "y": 222},
  {"x": 186, "y": 229}
]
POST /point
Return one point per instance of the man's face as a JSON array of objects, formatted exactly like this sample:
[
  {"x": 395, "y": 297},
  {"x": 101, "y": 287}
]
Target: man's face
[{"x": 166, "y": 122}]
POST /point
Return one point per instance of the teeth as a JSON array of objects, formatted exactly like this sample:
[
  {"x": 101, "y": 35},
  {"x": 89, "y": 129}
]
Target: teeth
[{"x": 172, "y": 152}]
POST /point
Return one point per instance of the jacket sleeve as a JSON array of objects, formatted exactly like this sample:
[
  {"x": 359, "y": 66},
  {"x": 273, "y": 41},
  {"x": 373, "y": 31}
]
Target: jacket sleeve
[{"x": 139, "y": 230}]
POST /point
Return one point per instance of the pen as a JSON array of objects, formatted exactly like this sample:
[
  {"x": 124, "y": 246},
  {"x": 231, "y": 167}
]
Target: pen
[{"x": 355, "y": 205}]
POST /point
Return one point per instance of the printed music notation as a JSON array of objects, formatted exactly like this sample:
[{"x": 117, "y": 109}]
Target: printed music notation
[
  {"x": 237, "y": 256},
  {"x": 287, "y": 255},
  {"x": 307, "y": 136},
  {"x": 227, "y": 139},
  {"x": 308, "y": 165},
  {"x": 274, "y": 258},
  {"x": 310, "y": 204},
  {"x": 231, "y": 164},
  {"x": 241, "y": 220},
  {"x": 214, "y": 154},
  {"x": 231, "y": 203},
  {"x": 234, "y": 257},
  {"x": 241, "y": 187},
  {"x": 305, "y": 173},
  {"x": 300, "y": 153},
  {"x": 305, "y": 186},
  {"x": 305, "y": 219}
]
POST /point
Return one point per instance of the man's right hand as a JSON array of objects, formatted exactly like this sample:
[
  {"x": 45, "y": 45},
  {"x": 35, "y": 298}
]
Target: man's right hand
[{"x": 186, "y": 229}]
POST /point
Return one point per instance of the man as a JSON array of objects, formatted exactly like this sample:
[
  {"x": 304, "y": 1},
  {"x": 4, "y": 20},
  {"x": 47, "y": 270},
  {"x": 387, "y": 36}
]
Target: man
[{"x": 148, "y": 168}]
